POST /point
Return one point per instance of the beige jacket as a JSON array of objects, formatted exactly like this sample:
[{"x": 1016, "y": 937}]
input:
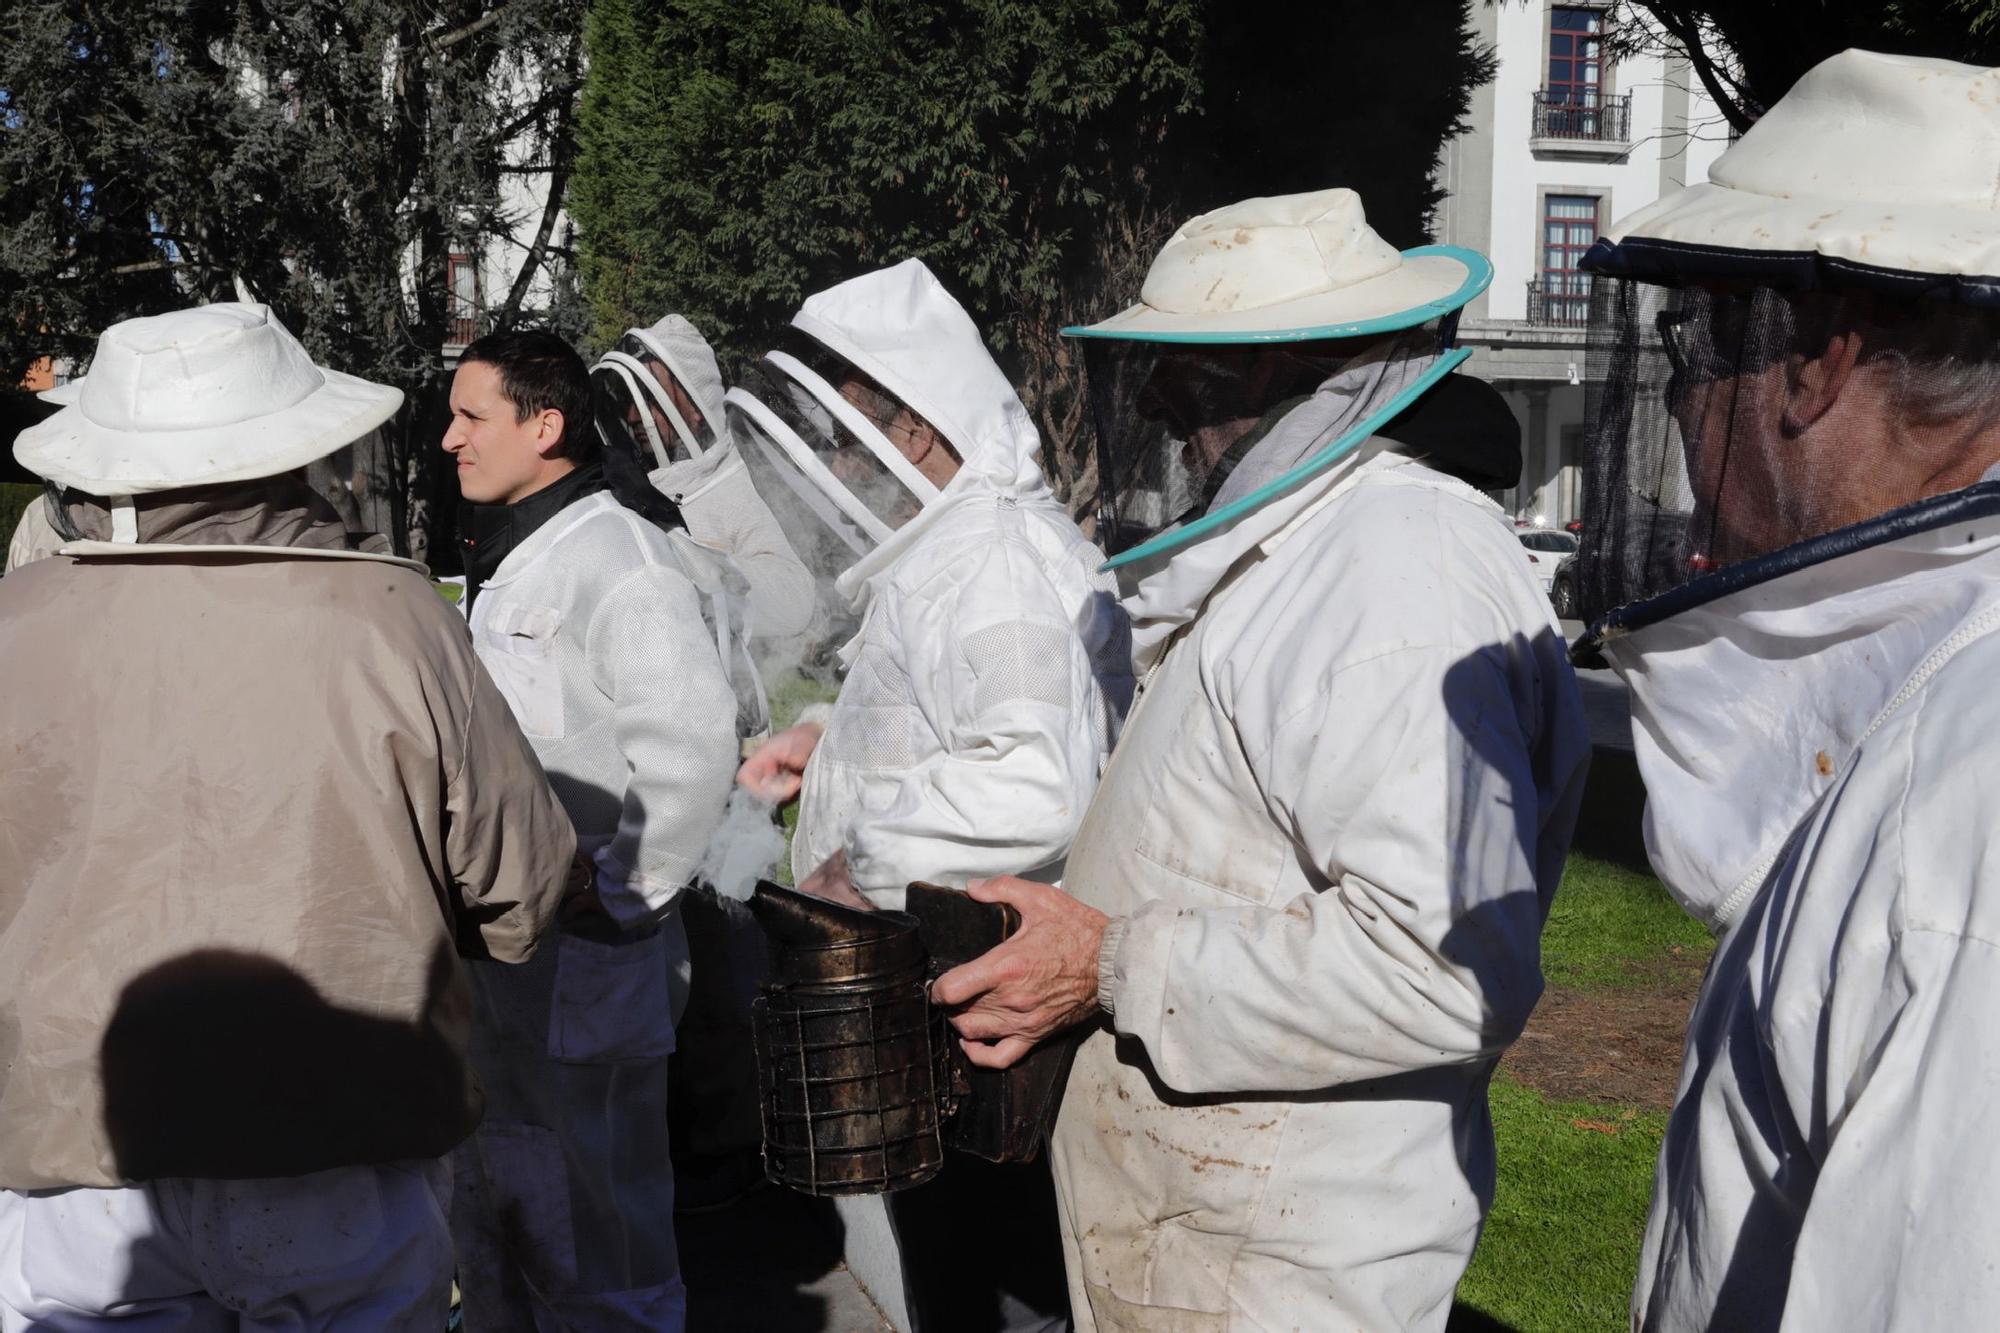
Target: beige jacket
[{"x": 258, "y": 797}]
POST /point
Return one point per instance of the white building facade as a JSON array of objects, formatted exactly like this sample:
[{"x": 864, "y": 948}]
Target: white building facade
[
  {"x": 479, "y": 277},
  {"x": 1565, "y": 140}
]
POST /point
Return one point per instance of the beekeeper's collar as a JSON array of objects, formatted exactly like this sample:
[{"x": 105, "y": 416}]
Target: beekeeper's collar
[
  {"x": 1164, "y": 591},
  {"x": 1749, "y": 707}
]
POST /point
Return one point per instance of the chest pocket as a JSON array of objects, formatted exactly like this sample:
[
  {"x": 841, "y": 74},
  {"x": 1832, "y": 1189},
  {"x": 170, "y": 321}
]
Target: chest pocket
[
  {"x": 1202, "y": 820},
  {"x": 518, "y": 645}
]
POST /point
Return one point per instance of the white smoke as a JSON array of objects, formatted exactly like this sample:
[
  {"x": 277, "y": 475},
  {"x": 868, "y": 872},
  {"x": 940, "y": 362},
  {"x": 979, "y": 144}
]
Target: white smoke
[{"x": 745, "y": 848}]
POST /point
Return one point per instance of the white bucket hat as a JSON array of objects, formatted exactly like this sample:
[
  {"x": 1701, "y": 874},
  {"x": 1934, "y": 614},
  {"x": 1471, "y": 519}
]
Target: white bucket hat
[
  {"x": 1290, "y": 268},
  {"x": 1873, "y": 169},
  {"x": 198, "y": 397}
]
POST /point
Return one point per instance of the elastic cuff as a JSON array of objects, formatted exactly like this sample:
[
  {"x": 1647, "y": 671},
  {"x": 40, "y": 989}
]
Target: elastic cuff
[
  {"x": 818, "y": 714},
  {"x": 1107, "y": 963},
  {"x": 632, "y": 900}
]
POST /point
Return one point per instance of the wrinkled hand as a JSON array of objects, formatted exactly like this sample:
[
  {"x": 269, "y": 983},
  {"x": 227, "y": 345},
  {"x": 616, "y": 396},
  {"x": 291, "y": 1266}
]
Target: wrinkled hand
[
  {"x": 1042, "y": 980},
  {"x": 833, "y": 883},
  {"x": 777, "y": 770}
]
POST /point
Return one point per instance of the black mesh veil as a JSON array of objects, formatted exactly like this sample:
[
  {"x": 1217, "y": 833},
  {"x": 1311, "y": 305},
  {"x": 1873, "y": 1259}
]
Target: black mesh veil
[
  {"x": 1730, "y": 421},
  {"x": 1186, "y": 428}
]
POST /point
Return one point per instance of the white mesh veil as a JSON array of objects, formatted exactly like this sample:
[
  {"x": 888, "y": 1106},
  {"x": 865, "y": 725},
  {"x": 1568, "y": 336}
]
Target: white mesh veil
[{"x": 678, "y": 345}]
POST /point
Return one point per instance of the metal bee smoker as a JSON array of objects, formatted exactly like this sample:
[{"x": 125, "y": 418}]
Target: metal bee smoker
[
  {"x": 849, "y": 1050},
  {"x": 863, "y": 1086}
]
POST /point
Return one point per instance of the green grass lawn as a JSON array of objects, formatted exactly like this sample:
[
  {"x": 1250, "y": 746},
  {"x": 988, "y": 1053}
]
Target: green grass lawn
[
  {"x": 1606, "y": 920},
  {"x": 1561, "y": 1247},
  {"x": 14, "y": 498}
]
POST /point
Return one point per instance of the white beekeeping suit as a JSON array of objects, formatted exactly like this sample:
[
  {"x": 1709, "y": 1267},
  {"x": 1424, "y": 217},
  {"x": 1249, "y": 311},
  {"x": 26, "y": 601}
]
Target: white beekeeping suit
[
  {"x": 661, "y": 397},
  {"x": 35, "y": 538},
  {"x": 1792, "y": 546},
  {"x": 1339, "y": 809},
  {"x": 983, "y": 689},
  {"x": 985, "y": 685}
]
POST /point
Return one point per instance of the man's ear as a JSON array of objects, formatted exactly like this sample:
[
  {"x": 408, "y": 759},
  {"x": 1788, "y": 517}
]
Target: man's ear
[
  {"x": 548, "y": 431},
  {"x": 1813, "y": 384},
  {"x": 919, "y": 444}
]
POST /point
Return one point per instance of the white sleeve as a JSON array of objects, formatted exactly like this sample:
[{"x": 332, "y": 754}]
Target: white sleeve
[
  {"x": 1406, "y": 780},
  {"x": 1003, "y": 677},
  {"x": 1900, "y": 1231},
  {"x": 35, "y": 538},
  {"x": 731, "y": 517},
  {"x": 675, "y": 720}
]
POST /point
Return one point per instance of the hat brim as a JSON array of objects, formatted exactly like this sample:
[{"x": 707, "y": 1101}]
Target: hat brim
[
  {"x": 73, "y": 451},
  {"x": 1714, "y": 230},
  {"x": 1431, "y": 282}
]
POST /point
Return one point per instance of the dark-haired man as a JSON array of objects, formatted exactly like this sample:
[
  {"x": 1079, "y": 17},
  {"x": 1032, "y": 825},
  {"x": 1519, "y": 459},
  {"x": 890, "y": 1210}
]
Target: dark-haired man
[{"x": 589, "y": 617}]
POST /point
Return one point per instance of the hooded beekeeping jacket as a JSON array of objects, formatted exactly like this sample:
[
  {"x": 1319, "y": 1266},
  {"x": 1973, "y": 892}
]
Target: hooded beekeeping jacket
[
  {"x": 258, "y": 797},
  {"x": 1328, "y": 839},
  {"x": 992, "y": 665},
  {"x": 721, "y": 505},
  {"x": 34, "y": 537},
  {"x": 596, "y": 633},
  {"x": 1820, "y": 774},
  {"x": 724, "y": 512}
]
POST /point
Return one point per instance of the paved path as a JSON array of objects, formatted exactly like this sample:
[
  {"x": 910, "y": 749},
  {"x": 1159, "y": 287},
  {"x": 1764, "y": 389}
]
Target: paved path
[
  {"x": 1614, "y": 799},
  {"x": 1604, "y": 702},
  {"x": 770, "y": 1263}
]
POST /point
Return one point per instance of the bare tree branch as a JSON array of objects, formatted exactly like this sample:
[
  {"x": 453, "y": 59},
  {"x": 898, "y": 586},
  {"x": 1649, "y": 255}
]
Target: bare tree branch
[
  {"x": 444, "y": 40},
  {"x": 562, "y": 154}
]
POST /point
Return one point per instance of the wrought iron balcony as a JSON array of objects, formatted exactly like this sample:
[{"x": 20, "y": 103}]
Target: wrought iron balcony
[
  {"x": 1583, "y": 115},
  {"x": 1560, "y": 300}
]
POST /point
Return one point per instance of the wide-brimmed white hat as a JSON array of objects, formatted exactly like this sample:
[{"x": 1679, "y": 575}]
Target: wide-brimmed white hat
[
  {"x": 215, "y": 394},
  {"x": 1290, "y": 268},
  {"x": 1874, "y": 169}
]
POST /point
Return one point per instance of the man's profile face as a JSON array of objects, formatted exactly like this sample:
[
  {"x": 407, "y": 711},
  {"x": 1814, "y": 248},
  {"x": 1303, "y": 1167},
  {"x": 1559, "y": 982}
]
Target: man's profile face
[
  {"x": 916, "y": 439},
  {"x": 682, "y": 400},
  {"x": 1200, "y": 396},
  {"x": 1728, "y": 350},
  {"x": 913, "y": 436},
  {"x": 500, "y": 458}
]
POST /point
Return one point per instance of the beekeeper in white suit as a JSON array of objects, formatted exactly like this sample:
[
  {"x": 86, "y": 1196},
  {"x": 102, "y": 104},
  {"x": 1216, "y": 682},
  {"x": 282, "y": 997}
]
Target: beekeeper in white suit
[
  {"x": 596, "y": 624},
  {"x": 1310, "y": 890},
  {"x": 1794, "y": 539},
  {"x": 660, "y": 397},
  {"x": 982, "y": 691},
  {"x": 659, "y": 401},
  {"x": 991, "y": 669}
]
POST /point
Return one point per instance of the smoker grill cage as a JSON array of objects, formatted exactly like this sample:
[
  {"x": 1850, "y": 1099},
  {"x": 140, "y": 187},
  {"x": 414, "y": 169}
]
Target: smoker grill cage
[{"x": 851, "y": 1057}]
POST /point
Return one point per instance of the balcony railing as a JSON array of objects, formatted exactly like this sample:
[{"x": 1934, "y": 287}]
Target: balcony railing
[
  {"x": 1577, "y": 113},
  {"x": 1560, "y": 300},
  {"x": 460, "y": 329}
]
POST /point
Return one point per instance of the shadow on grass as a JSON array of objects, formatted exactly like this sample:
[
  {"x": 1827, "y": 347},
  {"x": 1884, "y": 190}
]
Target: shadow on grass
[{"x": 1470, "y": 1319}]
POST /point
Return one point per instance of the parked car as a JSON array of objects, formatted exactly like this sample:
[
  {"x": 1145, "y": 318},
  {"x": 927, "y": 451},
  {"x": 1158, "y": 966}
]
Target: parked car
[
  {"x": 1562, "y": 592},
  {"x": 1547, "y": 550}
]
